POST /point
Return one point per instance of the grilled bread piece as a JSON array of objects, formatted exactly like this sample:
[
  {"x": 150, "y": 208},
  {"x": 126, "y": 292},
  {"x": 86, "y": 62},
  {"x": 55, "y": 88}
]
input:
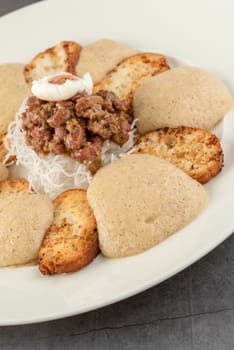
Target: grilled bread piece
[
  {"x": 71, "y": 241},
  {"x": 60, "y": 58},
  {"x": 131, "y": 73},
  {"x": 12, "y": 186},
  {"x": 3, "y": 150},
  {"x": 196, "y": 151}
]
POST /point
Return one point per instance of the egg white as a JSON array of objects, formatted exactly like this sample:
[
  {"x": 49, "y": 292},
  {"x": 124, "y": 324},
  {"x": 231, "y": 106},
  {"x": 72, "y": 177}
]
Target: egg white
[{"x": 57, "y": 92}]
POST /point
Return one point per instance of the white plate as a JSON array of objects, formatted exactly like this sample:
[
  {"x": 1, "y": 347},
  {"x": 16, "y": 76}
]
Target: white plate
[{"x": 179, "y": 28}]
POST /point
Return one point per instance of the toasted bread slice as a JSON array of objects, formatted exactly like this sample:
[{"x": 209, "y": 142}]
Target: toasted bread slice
[
  {"x": 11, "y": 186},
  {"x": 131, "y": 73},
  {"x": 71, "y": 242},
  {"x": 60, "y": 58},
  {"x": 3, "y": 150},
  {"x": 196, "y": 151}
]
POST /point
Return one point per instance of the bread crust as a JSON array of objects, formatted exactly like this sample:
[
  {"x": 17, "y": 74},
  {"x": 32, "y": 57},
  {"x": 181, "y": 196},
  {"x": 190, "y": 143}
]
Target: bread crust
[
  {"x": 71, "y": 242},
  {"x": 61, "y": 57},
  {"x": 130, "y": 73},
  {"x": 14, "y": 186},
  {"x": 196, "y": 151},
  {"x": 3, "y": 150}
]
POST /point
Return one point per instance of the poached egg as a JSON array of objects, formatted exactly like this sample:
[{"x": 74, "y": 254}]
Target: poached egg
[{"x": 61, "y": 86}]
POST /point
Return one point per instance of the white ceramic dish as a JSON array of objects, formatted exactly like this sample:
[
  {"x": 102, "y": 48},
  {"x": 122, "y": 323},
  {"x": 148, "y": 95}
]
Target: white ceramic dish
[{"x": 170, "y": 27}]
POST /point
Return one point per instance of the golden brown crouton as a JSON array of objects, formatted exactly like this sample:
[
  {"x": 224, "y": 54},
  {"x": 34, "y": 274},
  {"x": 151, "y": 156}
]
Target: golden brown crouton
[
  {"x": 14, "y": 186},
  {"x": 131, "y": 73},
  {"x": 59, "y": 58},
  {"x": 71, "y": 242},
  {"x": 196, "y": 151}
]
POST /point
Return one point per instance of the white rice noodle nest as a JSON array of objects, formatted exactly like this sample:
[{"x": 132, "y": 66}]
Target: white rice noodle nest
[{"x": 53, "y": 174}]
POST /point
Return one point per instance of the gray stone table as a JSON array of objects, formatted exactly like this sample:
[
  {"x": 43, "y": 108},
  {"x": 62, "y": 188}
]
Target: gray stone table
[{"x": 194, "y": 310}]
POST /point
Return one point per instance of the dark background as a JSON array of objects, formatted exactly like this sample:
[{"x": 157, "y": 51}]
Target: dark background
[{"x": 194, "y": 310}]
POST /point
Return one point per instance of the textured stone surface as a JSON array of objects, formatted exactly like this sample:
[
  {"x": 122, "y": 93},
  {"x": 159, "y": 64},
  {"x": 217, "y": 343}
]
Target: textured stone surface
[{"x": 192, "y": 311}]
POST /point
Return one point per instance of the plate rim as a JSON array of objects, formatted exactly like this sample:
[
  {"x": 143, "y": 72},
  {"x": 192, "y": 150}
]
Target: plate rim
[{"x": 115, "y": 299}]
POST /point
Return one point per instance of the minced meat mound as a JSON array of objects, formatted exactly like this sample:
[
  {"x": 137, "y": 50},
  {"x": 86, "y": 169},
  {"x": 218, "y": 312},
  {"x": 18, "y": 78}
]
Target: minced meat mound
[{"x": 77, "y": 127}]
